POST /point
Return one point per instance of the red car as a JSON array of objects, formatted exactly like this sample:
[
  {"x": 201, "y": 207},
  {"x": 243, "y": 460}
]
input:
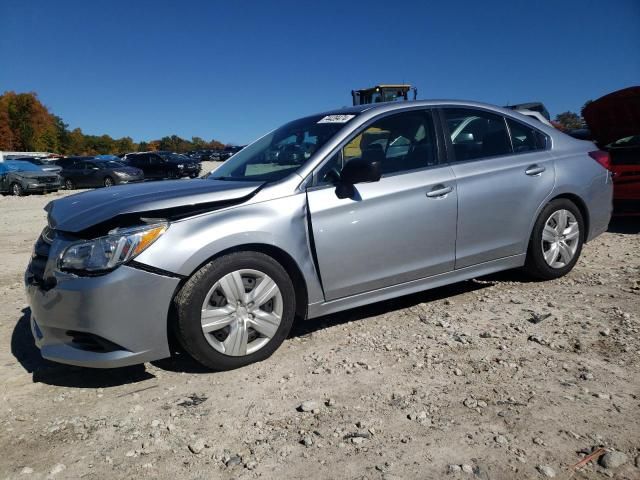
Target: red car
[{"x": 614, "y": 121}]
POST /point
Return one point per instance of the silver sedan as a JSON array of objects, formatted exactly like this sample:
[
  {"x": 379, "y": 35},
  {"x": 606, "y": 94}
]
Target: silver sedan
[{"x": 326, "y": 213}]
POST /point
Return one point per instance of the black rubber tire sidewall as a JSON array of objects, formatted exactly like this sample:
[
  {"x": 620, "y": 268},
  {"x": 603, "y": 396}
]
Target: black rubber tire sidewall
[
  {"x": 535, "y": 264},
  {"x": 188, "y": 303}
]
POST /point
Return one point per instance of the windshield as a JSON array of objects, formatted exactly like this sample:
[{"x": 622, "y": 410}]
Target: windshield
[
  {"x": 632, "y": 141},
  {"x": 282, "y": 151},
  {"x": 110, "y": 164},
  {"x": 174, "y": 157},
  {"x": 19, "y": 166}
]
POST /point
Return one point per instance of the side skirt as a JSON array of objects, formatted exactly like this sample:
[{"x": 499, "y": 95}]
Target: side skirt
[{"x": 325, "y": 308}]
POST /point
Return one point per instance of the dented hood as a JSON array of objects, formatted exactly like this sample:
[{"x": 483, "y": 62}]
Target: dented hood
[{"x": 166, "y": 199}]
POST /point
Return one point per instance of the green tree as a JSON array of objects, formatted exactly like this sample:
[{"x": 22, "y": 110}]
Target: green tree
[
  {"x": 569, "y": 120},
  {"x": 198, "y": 143},
  {"x": 63, "y": 134},
  {"x": 124, "y": 145}
]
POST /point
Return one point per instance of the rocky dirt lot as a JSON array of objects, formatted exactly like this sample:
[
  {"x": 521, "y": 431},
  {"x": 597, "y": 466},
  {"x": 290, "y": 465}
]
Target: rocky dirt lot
[{"x": 495, "y": 378}]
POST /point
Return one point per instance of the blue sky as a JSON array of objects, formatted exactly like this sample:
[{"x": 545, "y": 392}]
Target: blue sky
[{"x": 233, "y": 70}]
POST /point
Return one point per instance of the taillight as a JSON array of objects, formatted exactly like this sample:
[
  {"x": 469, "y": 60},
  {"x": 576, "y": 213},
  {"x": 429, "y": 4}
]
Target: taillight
[{"x": 602, "y": 158}]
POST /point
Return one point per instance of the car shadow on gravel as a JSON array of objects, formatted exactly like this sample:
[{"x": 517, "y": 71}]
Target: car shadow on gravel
[
  {"x": 629, "y": 225},
  {"x": 43, "y": 371},
  {"x": 301, "y": 329},
  {"x": 182, "y": 362}
]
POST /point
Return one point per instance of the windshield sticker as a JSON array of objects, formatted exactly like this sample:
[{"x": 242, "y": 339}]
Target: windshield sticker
[{"x": 336, "y": 119}]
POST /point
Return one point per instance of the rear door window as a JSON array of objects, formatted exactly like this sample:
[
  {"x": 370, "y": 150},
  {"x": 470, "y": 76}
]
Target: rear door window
[{"x": 476, "y": 134}]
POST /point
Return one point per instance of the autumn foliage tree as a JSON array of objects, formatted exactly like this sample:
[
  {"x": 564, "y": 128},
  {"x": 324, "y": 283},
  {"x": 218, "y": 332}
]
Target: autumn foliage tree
[{"x": 28, "y": 125}]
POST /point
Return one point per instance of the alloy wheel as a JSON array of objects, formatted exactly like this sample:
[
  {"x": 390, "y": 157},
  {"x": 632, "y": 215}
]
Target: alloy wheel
[
  {"x": 16, "y": 190},
  {"x": 560, "y": 238},
  {"x": 108, "y": 182},
  {"x": 68, "y": 184},
  {"x": 241, "y": 312}
]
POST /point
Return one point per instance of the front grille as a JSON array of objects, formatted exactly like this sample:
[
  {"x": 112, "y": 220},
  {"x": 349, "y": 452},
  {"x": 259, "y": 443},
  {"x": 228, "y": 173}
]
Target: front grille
[{"x": 50, "y": 179}]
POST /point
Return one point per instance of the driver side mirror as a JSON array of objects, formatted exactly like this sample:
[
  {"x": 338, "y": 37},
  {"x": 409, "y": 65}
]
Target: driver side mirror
[{"x": 365, "y": 169}]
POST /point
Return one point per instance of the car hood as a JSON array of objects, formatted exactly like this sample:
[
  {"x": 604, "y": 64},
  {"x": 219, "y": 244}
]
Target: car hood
[
  {"x": 128, "y": 203},
  {"x": 31, "y": 174}
]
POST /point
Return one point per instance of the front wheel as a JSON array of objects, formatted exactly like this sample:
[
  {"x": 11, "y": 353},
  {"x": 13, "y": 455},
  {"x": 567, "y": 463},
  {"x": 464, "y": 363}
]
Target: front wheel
[
  {"x": 68, "y": 184},
  {"x": 108, "y": 182},
  {"x": 235, "y": 310},
  {"x": 556, "y": 240},
  {"x": 17, "y": 190}
]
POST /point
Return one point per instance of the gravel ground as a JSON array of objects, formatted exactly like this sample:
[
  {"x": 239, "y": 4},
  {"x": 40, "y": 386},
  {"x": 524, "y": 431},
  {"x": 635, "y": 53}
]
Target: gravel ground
[{"x": 494, "y": 378}]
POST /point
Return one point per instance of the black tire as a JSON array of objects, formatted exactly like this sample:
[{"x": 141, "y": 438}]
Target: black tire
[
  {"x": 108, "y": 182},
  {"x": 189, "y": 300},
  {"x": 68, "y": 184},
  {"x": 535, "y": 264},
  {"x": 17, "y": 190}
]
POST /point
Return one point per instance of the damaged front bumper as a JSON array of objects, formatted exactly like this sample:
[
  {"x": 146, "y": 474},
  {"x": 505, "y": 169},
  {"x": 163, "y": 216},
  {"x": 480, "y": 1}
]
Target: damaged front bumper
[{"x": 105, "y": 321}]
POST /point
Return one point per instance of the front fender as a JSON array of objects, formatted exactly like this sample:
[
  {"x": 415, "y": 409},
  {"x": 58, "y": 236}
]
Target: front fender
[{"x": 279, "y": 223}]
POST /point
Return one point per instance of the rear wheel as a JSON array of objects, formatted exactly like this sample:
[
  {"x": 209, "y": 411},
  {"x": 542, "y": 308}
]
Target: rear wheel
[
  {"x": 556, "y": 240},
  {"x": 17, "y": 190},
  {"x": 235, "y": 310}
]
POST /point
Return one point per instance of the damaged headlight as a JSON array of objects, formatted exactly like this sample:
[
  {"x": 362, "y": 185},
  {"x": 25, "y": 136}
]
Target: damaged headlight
[{"x": 108, "y": 252}]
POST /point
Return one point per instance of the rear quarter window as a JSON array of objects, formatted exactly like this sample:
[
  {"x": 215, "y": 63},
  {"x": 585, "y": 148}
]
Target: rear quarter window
[{"x": 524, "y": 138}]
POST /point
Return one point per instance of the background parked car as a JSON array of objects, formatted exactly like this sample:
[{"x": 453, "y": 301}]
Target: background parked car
[
  {"x": 45, "y": 166},
  {"x": 20, "y": 178},
  {"x": 625, "y": 165},
  {"x": 614, "y": 124},
  {"x": 160, "y": 165},
  {"x": 92, "y": 172}
]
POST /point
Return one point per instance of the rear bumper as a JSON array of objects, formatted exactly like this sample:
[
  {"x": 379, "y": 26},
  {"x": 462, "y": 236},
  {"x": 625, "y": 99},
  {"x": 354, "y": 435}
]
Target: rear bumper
[
  {"x": 626, "y": 206},
  {"x": 599, "y": 198},
  {"x": 112, "y": 320}
]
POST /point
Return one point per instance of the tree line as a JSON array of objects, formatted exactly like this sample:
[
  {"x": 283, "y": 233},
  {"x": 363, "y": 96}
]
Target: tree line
[{"x": 26, "y": 125}]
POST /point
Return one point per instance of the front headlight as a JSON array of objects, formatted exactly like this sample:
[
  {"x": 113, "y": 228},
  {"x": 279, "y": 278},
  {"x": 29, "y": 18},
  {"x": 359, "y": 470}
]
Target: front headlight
[
  {"x": 108, "y": 252},
  {"x": 180, "y": 165},
  {"x": 121, "y": 174}
]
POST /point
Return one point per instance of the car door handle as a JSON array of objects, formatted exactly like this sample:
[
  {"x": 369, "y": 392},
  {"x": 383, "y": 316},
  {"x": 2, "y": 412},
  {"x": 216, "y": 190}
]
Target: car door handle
[
  {"x": 534, "y": 170},
  {"x": 439, "y": 191}
]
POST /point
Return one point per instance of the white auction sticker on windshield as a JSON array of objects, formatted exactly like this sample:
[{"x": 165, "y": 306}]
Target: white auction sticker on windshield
[{"x": 336, "y": 119}]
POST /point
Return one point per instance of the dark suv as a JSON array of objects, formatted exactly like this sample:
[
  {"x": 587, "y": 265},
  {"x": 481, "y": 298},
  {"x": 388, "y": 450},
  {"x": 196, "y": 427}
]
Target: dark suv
[
  {"x": 92, "y": 172},
  {"x": 160, "y": 165}
]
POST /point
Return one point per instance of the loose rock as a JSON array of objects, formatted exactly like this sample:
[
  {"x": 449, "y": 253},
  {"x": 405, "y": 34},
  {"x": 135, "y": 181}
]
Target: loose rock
[
  {"x": 613, "y": 459},
  {"x": 308, "y": 406},
  {"x": 546, "y": 471}
]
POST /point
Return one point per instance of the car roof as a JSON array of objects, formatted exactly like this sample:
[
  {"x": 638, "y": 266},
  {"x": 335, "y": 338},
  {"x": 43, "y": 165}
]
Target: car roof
[{"x": 389, "y": 106}]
